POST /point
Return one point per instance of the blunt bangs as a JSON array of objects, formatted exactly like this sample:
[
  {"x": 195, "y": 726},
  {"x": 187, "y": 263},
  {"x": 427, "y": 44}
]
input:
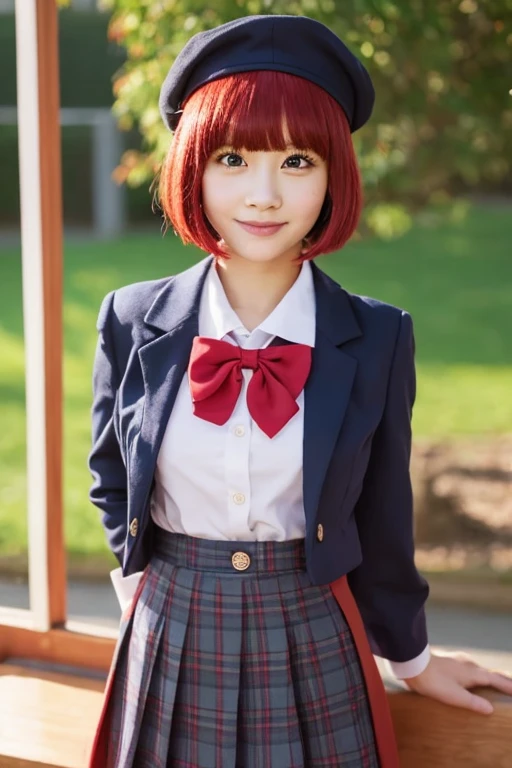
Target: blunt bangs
[{"x": 251, "y": 110}]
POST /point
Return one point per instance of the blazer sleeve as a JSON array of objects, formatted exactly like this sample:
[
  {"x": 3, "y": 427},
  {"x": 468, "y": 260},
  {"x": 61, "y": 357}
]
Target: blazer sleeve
[
  {"x": 388, "y": 589},
  {"x": 109, "y": 488}
]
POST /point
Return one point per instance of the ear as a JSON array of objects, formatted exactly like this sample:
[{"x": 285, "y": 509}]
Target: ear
[{"x": 306, "y": 246}]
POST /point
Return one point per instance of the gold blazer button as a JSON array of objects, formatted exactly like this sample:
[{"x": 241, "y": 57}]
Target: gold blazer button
[
  {"x": 134, "y": 527},
  {"x": 241, "y": 561},
  {"x": 320, "y": 532}
]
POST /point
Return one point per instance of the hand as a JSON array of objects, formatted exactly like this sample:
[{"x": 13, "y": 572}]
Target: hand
[{"x": 447, "y": 678}]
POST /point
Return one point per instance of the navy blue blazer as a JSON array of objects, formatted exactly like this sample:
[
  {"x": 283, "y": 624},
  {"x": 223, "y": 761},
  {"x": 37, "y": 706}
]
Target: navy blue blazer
[{"x": 357, "y": 439}]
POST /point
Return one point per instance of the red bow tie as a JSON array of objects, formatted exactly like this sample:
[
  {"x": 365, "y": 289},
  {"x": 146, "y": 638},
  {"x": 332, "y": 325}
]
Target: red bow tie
[{"x": 215, "y": 376}]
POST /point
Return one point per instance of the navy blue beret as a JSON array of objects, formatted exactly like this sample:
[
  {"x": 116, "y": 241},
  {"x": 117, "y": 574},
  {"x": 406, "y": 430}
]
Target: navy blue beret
[{"x": 294, "y": 44}]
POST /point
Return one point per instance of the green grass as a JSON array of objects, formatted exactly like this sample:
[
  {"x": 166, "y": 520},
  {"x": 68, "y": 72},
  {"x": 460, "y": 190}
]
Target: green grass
[{"x": 456, "y": 281}]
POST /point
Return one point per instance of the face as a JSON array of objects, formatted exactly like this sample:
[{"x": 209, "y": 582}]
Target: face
[{"x": 284, "y": 190}]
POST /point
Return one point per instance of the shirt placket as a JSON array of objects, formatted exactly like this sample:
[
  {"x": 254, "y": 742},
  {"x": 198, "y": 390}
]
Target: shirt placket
[
  {"x": 238, "y": 448},
  {"x": 238, "y": 483}
]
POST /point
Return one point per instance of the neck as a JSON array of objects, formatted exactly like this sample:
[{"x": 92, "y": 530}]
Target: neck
[{"x": 255, "y": 289}]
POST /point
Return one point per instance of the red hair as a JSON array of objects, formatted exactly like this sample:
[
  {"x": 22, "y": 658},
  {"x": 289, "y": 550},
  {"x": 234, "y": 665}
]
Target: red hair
[{"x": 246, "y": 111}]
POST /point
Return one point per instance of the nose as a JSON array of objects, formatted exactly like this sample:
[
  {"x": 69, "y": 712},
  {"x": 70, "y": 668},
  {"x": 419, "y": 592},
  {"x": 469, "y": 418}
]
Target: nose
[{"x": 263, "y": 190}]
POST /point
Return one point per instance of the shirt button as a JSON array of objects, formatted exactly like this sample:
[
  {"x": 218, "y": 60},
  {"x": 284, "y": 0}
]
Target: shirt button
[
  {"x": 239, "y": 498},
  {"x": 320, "y": 532},
  {"x": 239, "y": 430}
]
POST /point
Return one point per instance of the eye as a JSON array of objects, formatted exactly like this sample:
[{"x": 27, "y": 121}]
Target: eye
[
  {"x": 297, "y": 158},
  {"x": 233, "y": 159}
]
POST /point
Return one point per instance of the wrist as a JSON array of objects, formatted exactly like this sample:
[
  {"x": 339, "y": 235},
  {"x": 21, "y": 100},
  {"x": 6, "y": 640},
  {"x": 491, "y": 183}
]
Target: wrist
[{"x": 417, "y": 682}]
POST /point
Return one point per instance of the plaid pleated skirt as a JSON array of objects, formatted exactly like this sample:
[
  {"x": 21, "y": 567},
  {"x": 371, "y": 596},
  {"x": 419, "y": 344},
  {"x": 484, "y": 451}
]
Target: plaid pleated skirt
[{"x": 230, "y": 658}]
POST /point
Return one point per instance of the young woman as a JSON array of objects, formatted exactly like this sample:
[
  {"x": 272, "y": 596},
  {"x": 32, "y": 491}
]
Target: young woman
[{"x": 251, "y": 437}]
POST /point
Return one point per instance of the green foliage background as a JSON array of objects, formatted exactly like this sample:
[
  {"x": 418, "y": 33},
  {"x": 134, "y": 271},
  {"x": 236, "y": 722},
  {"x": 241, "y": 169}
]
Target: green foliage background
[{"x": 442, "y": 70}]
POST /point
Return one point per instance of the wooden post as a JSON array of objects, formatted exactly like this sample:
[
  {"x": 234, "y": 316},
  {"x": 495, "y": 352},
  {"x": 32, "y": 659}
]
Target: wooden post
[{"x": 41, "y": 231}]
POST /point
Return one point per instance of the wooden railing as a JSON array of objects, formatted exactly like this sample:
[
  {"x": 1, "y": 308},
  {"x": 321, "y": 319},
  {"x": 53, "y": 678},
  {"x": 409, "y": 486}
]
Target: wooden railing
[
  {"x": 434, "y": 735},
  {"x": 48, "y": 719}
]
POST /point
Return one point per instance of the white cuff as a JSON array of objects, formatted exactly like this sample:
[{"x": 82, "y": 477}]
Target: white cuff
[
  {"x": 125, "y": 586},
  {"x": 411, "y": 668}
]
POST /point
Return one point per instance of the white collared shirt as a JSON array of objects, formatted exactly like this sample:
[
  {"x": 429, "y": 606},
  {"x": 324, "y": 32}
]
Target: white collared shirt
[{"x": 233, "y": 481}]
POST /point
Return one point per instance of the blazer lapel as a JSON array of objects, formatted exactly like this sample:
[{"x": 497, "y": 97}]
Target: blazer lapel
[
  {"x": 327, "y": 391},
  {"x": 175, "y": 316}
]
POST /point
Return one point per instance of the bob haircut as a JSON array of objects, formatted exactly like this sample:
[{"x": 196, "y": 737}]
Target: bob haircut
[{"x": 246, "y": 111}]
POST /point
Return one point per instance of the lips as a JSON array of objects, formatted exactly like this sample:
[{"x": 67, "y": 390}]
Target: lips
[
  {"x": 262, "y": 223},
  {"x": 261, "y": 229}
]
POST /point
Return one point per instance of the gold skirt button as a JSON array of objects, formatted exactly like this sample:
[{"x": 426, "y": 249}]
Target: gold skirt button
[
  {"x": 320, "y": 532},
  {"x": 241, "y": 561},
  {"x": 134, "y": 527}
]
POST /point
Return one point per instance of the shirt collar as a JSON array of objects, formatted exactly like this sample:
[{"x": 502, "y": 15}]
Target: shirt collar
[{"x": 292, "y": 319}]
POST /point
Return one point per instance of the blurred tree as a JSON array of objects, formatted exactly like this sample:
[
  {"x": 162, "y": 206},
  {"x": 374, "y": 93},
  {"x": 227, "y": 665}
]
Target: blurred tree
[{"x": 442, "y": 71}]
